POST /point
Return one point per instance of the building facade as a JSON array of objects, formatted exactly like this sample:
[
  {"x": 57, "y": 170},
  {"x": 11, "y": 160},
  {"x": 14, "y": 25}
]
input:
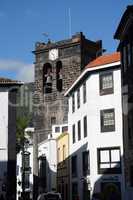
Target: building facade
[
  {"x": 57, "y": 65},
  {"x": 63, "y": 168},
  {"x": 47, "y": 162},
  {"x": 124, "y": 34},
  {"x": 95, "y": 129},
  {"x": 47, "y": 168},
  {"x": 8, "y": 91}
]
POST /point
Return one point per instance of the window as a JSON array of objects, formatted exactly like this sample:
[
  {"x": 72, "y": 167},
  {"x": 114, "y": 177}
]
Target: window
[
  {"x": 109, "y": 161},
  {"x": 58, "y": 155},
  {"x": 73, "y": 134},
  {"x": 124, "y": 53},
  {"x": 86, "y": 191},
  {"x": 75, "y": 191},
  {"x": 106, "y": 83},
  {"x": 79, "y": 130},
  {"x": 27, "y": 180},
  {"x": 84, "y": 92},
  {"x": 64, "y": 152},
  {"x": 85, "y": 163},
  {"x": 78, "y": 98},
  {"x": 129, "y": 54},
  {"x": 26, "y": 161},
  {"x": 107, "y": 120},
  {"x": 74, "y": 166},
  {"x": 85, "y": 126},
  {"x": 66, "y": 191},
  {"x": 42, "y": 171},
  {"x": 57, "y": 129},
  {"x": 131, "y": 175},
  {"x": 130, "y": 127},
  {"x": 42, "y": 167},
  {"x": 53, "y": 120},
  {"x": 64, "y": 129},
  {"x": 73, "y": 103}
]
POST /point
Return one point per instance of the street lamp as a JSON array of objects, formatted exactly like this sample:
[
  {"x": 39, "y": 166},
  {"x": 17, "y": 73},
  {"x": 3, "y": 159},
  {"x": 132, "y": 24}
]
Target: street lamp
[{"x": 24, "y": 152}]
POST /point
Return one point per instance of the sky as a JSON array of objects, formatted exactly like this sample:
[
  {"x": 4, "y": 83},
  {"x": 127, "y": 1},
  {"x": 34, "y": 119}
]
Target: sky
[{"x": 23, "y": 22}]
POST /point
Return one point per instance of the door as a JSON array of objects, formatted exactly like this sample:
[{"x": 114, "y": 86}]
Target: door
[{"x": 111, "y": 190}]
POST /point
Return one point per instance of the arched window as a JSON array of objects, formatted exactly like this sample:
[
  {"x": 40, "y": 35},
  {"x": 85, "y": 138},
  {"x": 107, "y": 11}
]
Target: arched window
[
  {"x": 59, "y": 79},
  {"x": 47, "y": 78}
]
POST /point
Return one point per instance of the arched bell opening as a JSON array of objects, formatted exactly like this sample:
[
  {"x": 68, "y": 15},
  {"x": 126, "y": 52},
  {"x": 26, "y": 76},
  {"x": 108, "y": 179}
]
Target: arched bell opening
[
  {"x": 59, "y": 77},
  {"x": 47, "y": 78}
]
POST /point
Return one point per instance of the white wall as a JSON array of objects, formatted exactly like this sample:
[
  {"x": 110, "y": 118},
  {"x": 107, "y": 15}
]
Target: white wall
[
  {"x": 46, "y": 148},
  {"x": 3, "y": 118},
  {"x": 95, "y": 138},
  {"x": 3, "y": 134}
]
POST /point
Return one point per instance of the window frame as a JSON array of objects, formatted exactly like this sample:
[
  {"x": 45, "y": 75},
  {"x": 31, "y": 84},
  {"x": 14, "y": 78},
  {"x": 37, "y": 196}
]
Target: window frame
[
  {"x": 26, "y": 161},
  {"x": 109, "y": 128},
  {"x": 85, "y": 126},
  {"x": 111, "y": 170},
  {"x": 53, "y": 120},
  {"x": 131, "y": 175},
  {"x": 124, "y": 58},
  {"x": 107, "y": 90},
  {"x": 57, "y": 129},
  {"x": 84, "y": 92},
  {"x": 85, "y": 170},
  {"x": 78, "y": 98},
  {"x": 79, "y": 130},
  {"x": 27, "y": 180},
  {"x": 73, "y": 134},
  {"x": 64, "y": 152},
  {"x": 58, "y": 155},
  {"x": 129, "y": 54},
  {"x": 73, "y": 102},
  {"x": 74, "y": 170},
  {"x": 64, "y": 129},
  {"x": 74, "y": 191}
]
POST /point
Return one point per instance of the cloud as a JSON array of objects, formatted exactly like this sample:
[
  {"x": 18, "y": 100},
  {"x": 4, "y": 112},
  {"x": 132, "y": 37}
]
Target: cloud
[{"x": 22, "y": 71}]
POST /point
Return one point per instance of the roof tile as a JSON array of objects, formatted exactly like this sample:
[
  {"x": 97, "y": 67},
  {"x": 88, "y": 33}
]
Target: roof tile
[
  {"x": 105, "y": 59},
  {"x": 9, "y": 81}
]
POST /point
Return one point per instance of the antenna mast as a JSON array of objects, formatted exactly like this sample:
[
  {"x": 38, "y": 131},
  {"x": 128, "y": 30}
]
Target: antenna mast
[
  {"x": 70, "y": 23},
  {"x": 46, "y": 35}
]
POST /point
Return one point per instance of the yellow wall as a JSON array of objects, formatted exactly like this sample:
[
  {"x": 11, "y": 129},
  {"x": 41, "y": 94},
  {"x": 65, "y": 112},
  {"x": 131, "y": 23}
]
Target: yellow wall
[{"x": 63, "y": 141}]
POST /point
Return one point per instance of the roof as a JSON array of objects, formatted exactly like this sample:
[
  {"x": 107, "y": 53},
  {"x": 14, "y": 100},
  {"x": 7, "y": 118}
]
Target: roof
[
  {"x": 128, "y": 14},
  {"x": 76, "y": 39},
  {"x": 100, "y": 63},
  {"x": 7, "y": 81},
  {"x": 105, "y": 59}
]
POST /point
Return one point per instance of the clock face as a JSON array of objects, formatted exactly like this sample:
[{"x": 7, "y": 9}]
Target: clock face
[{"x": 53, "y": 54}]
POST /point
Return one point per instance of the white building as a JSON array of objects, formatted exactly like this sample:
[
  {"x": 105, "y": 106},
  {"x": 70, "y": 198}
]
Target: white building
[
  {"x": 8, "y": 90},
  {"x": 95, "y": 128},
  {"x": 47, "y": 157}
]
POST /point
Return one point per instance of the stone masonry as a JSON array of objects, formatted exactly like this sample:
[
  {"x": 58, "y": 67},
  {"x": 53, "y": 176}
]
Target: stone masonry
[{"x": 74, "y": 54}]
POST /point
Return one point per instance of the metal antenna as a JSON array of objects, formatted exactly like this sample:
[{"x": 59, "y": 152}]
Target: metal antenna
[
  {"x": 70, "y": 23},
  {"x": 46, "y": 35}
]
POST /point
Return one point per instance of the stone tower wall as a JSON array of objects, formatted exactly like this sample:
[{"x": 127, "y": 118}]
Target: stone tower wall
[{"x": 74, "y": 54}]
